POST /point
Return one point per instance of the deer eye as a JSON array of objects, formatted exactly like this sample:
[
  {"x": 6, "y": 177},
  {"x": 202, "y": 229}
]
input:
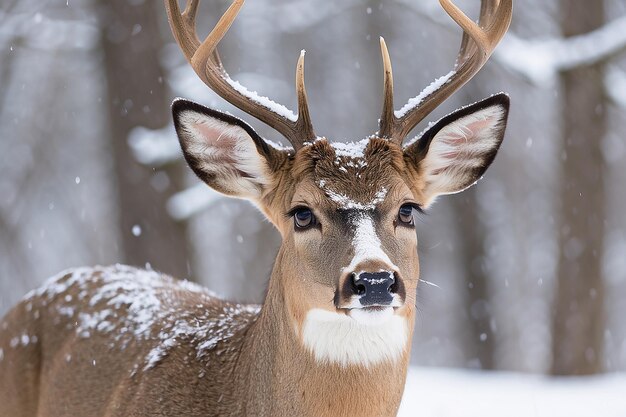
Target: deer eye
[
  {"x": 405, "y": 215},
  {"x": 303, "y": 218}
]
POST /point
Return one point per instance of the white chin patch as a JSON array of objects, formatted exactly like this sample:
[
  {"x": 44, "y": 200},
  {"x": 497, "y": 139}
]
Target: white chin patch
[
  {"x": 371, "y": 317},
  {"x": 363, "y": 338}
]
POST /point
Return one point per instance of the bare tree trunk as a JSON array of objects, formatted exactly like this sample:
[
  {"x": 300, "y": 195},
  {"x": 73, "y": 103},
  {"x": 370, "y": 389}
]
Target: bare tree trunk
[
  {"x": 578, "y": 321},
  {"x": 138, "y": 97},
  {"x": 481, "y": 343}
]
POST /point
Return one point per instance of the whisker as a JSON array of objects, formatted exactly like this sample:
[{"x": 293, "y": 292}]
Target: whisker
[{"x": 430, "y": 283}]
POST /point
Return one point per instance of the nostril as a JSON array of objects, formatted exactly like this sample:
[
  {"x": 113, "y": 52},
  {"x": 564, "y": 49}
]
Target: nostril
[
  {"x": 393, "y": 287},
  {"x": 357, "y": 287}
]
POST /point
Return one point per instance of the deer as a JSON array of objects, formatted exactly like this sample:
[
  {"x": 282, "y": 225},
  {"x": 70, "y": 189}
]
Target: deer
[{"x": 333, "y": 336}]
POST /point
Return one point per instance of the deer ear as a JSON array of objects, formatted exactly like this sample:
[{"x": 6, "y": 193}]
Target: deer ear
[
  {"x": 455, "y": 152},
  {"x": 223, "y": 151}
]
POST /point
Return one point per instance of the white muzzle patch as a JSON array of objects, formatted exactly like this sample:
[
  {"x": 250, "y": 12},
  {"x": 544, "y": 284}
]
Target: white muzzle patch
[{"x": 365, "y": 338}]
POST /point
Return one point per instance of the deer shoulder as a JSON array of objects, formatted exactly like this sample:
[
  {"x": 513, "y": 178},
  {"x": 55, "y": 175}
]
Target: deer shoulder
[{"x": 128, "y": 333}]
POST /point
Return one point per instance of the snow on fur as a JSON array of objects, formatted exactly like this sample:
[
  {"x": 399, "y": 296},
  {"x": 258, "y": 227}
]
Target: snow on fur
[
  {"x": 350, "y": 156},
  {"x": 347, "y": 203},
  {"x": 350, "y": 149},
  {"x": 130, "y": 304}
]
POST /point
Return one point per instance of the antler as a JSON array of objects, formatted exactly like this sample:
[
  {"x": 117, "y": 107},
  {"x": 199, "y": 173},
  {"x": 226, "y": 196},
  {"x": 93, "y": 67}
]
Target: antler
[
  {"x": 204, "y": 59},
  {"x": 479, "y": 41}
]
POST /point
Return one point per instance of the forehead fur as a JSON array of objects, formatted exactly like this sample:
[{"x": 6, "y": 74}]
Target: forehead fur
[{"x": 350, "y": 173}]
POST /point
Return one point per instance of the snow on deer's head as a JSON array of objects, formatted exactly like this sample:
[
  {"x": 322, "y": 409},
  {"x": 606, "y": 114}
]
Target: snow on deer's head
[{"x": 347, "y": 269}]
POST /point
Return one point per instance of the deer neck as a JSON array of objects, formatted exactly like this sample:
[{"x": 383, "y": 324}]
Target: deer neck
[{"x": 279, "y": 375}]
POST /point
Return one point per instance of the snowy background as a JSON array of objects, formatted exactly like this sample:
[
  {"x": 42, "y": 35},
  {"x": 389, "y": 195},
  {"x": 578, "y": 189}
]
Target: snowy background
[{"x": 529, "y": 267}]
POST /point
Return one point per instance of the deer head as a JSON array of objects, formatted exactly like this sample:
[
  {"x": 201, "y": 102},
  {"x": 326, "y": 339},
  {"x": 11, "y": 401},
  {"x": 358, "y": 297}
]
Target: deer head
[{"x": 345, "y": 211}]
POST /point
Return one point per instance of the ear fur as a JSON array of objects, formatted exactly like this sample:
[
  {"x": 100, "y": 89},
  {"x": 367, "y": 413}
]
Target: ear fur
[
  {"x": 223, "y": 151},
  {"x": 457, "y": 150}
]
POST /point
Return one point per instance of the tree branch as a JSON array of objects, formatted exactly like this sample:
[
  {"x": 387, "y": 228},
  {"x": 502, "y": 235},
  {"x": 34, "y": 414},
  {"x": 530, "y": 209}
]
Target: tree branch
[
  {"x": 187, "y": 203},
  {"x": 615, "y": 85},
  {"x": 541, "y": 60}
]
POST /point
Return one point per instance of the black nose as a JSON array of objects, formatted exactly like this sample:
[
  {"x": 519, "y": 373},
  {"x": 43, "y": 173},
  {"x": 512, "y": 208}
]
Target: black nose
[{"x": 374, "y": 288}]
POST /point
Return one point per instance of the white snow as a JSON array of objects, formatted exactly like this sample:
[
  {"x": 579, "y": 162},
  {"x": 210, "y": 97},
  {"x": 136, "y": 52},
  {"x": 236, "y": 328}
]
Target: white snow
[
  {"x": 66, "y": 311},
  {"x": 22, "y": 340},
  {"x": 278, "y": 146},
  {"x": 459, "y": 393},
  {"x": 417, "y": 100},
  {"x": 380, "y": 195},
  {"x": 344, "y": 201},
  {"x": 136, "y": 230},
  {"x": 350, "y": 149},
  {"x": 347, "y": 203},
  {"x": 262, "y": 100}
]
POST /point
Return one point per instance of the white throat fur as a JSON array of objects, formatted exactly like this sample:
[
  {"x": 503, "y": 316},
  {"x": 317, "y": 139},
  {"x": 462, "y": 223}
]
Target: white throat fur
[{"x": 366, "y": 338}]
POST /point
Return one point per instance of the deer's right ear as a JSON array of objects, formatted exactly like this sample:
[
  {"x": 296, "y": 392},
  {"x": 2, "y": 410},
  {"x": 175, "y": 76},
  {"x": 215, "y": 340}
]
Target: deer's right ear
[{"x": 223, "y": 151}]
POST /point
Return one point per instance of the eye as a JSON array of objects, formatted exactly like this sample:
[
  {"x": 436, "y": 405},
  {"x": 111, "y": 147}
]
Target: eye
[
  {"x": 303, "y": 218},
  {"x": 405, "y": 215}
]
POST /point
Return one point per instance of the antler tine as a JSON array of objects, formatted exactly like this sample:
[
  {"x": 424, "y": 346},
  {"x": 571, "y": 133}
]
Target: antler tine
[
  {"x": 303, "y": 124},
  {"x": 207, "y": 47},
  {"x": 387, "y": 117},
  {"x": 479, "y": 41},
  {"x": 501, "y": 19},
  {"x": 468, "y": 25},
  {"x": 183, "y": 26},
  {"x": 206, "y": 62},
  {"x": 189, "y": 14}
]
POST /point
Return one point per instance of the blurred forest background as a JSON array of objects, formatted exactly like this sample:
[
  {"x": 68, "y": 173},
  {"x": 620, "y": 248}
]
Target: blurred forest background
[{"x": 529, "y": 267}]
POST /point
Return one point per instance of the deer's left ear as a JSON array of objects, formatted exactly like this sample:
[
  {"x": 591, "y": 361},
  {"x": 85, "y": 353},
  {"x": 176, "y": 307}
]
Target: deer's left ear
[{"x": 454, "y": 153}]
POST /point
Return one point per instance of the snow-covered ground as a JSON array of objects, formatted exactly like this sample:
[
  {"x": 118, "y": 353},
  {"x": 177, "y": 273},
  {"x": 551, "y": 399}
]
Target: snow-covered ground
[{"x": 455, "y": 393}]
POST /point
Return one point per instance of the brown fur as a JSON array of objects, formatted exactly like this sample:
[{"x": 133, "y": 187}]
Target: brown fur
[{"x": 119, "y": 341}]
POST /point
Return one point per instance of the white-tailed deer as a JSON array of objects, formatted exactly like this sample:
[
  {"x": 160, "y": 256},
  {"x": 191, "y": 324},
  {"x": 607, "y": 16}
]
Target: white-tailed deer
[{"x": 334, "y": 334}]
